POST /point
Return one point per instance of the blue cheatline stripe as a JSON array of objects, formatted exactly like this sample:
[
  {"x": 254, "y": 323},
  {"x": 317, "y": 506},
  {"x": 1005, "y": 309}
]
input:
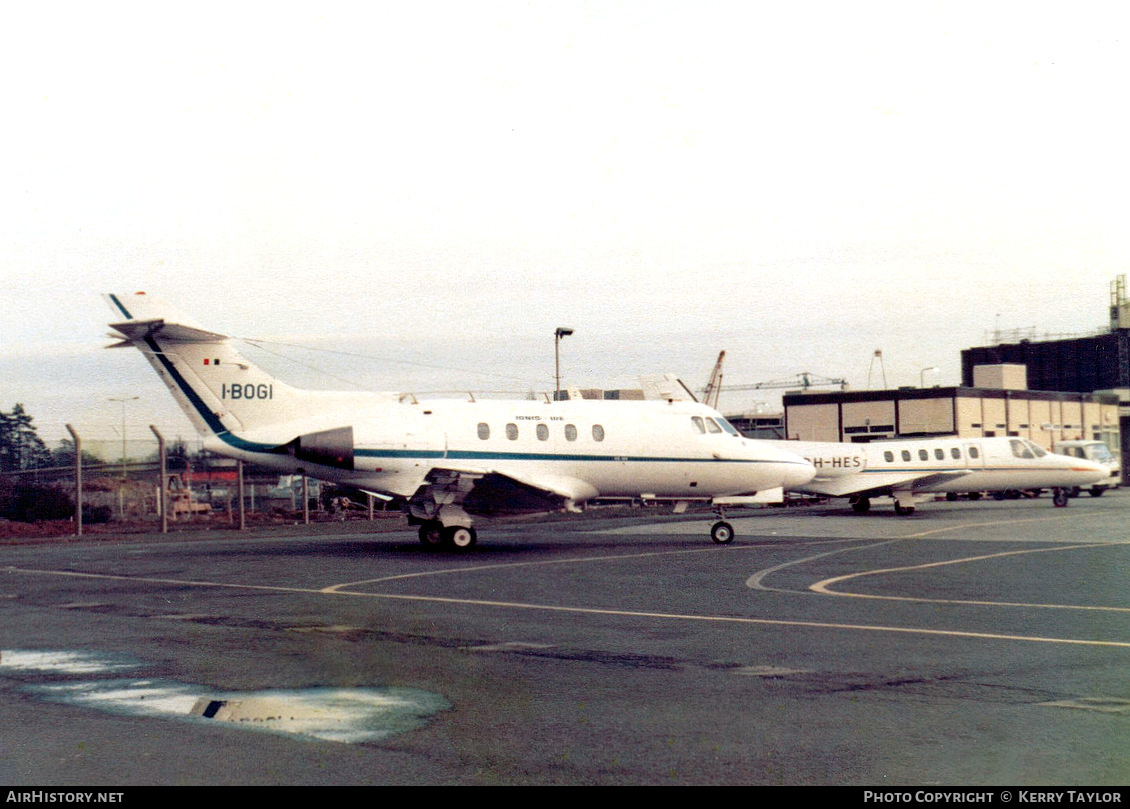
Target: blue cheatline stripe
[
  {"x": 122, "y": 309},
  {"x": 468, "y": 455},
  {"x": 936, "y": 470},
  {"x": 202, "y": 410}
]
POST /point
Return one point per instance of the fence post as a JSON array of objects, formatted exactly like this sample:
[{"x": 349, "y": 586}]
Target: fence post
[
  {"x": 164, "y": 480},
  {"x": 239, "y": 488},
  {"x": 78, "y": 479}
]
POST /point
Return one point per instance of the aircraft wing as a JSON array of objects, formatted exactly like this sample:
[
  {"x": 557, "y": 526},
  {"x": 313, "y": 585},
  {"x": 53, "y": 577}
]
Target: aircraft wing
[
  {"x": 866, "y": 483},
  {"x": 487, "y": 492},
  {"x": 939, "y": 478}
]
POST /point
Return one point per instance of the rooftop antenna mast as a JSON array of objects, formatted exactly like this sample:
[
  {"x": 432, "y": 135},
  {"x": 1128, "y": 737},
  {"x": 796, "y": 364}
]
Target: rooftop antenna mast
[{"x": 878, "y": 355}]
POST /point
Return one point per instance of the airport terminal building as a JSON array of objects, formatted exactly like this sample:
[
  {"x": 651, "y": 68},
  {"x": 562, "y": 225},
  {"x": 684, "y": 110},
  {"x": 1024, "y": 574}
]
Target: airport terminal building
[{"x": 982, "y": 411}]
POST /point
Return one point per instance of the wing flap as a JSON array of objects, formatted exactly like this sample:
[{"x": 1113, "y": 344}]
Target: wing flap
[{"x": 485, "y": 492}]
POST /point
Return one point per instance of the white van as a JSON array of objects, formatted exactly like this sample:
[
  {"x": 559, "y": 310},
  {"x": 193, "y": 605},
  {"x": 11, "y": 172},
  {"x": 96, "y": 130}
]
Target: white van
[{"x": 1095, "y": 451}]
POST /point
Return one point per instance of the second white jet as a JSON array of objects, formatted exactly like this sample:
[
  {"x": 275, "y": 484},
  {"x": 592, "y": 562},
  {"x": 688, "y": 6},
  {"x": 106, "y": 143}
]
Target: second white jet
[{"x": 904, "y": 469}]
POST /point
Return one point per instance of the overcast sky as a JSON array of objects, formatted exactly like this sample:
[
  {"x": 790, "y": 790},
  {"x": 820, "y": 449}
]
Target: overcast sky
[{"x": 432, "y": 187}]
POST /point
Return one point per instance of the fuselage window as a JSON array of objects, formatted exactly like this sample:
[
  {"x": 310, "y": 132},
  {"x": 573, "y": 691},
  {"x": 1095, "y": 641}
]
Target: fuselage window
[
  {"x": 974, "y": 452},
  {"x": 923, "y": 455},
  {"x": 888, "y": 456},
  {"x": 939, "y": 454},
  {"x": 1020, "y": 450},
  {"x": 512, "y": 432},
  {"x": 484, "y": 430},
  {"x": 906, "y": 455},
  {"x": 712, "y": 426},
  {"x": 699, "y": 427},
  {"x": 597, "y": 433},
  {"x": 570, "y": 432},
  {"x": 956, "y": 453},
  {"x": 543, "y": 432}
]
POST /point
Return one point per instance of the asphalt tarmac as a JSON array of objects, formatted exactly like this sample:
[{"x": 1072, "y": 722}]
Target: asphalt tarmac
[{"x": 972, "y": 643}]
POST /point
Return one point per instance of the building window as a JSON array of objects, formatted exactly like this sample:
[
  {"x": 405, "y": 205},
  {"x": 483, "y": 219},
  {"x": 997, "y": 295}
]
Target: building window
[
  {"x": 543, "y": 432},
  {"x": 512, "y": 432},
  {"x": 597, "y": 433},
  {"x": 484, "y": 430}
]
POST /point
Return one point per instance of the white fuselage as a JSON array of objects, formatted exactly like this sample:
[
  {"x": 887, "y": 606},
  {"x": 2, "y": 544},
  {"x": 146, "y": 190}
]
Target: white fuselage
[
  {"x": 940, "y": 465},
  {"x": 593, "y": 448}
]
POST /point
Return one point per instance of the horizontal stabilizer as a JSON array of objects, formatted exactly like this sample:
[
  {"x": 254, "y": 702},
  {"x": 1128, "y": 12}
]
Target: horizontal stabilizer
[
  {"x": 665, "y": 387},
  {"x": 140, "y": 329}
]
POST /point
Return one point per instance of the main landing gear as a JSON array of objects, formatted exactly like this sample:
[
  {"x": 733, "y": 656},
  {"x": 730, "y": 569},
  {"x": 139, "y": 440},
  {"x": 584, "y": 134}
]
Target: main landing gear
[{"x": 434, "y": 534}]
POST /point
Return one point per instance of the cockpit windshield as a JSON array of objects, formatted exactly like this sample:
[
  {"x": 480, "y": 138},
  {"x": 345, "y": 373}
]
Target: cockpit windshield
[
  {"x": 718, "y": 425},
  {"x": 1023, "y": 448},
  {"x": 1099, "y": 452},
  {"x": 730, "y": 428}
]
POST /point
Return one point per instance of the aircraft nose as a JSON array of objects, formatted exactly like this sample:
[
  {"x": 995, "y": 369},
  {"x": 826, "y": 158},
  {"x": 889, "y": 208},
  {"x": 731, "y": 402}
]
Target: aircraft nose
[
  {"x": 799, "y": 473},
  {"x": 1099, "y": 471}
]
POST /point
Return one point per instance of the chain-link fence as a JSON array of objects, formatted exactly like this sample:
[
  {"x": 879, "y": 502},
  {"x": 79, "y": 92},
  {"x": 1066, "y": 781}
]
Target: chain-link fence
[{"x": 154, "y": 483}]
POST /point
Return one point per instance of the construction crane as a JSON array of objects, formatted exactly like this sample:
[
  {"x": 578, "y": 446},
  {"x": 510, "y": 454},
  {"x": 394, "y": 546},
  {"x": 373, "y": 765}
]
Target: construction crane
[
  {"x": 714, "y": 386},
  {"x": 803, "y": 380}
]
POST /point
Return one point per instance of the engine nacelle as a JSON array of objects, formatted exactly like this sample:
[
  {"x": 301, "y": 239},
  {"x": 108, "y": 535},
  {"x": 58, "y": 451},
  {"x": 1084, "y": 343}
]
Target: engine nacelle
[{"x": 326, "y": 447}]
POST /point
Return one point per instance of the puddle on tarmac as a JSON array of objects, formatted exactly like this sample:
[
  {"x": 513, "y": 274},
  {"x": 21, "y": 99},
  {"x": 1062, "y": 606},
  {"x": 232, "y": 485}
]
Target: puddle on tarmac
[
  {"x": 64, "y": 662},
  {"x": 350, "y": 715}
]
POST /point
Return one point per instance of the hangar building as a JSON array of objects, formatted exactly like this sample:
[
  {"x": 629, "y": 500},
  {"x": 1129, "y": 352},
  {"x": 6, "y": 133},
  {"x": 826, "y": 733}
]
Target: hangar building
[{"x": 986, "y": 410}]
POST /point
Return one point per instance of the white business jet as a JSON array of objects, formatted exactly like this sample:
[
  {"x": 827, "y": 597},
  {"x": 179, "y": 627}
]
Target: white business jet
[
  {"x": 906, "y": 468},
  {"x": 453, "y": 461}
]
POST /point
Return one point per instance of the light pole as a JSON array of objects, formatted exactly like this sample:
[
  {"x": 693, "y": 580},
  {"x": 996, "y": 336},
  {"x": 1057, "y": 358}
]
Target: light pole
[
  {"x": 123, "y": 400},
  {"x": 557, "y": 335},
  {"x": 922, "y": 375}
]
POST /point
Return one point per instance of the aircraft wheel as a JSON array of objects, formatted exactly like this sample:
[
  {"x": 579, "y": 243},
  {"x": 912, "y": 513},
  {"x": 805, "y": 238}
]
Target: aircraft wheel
[
  {"x": 722, "y": 533},
  {"x": 974, "y": 495},
  {"x": 1097, "y": 491},
  {"x": 1000, "y": 495},
  {"x": 1073, "y": 491},
  {"x": 951, "y": 497},
  {"x": 460, "y": 537},
  {"x": 861, "y": 505},
  {"x": 1060, "y": 498},
  {"x": 902, "y": 510},
  {"x": 431, "y": 533}
]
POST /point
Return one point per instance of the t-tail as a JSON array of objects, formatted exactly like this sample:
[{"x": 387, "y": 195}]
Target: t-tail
[{"x": 218, "y": 389}]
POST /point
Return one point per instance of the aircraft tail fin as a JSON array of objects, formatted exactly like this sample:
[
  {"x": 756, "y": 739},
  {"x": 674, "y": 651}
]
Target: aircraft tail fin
[{"x": 218, "y": 389}]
